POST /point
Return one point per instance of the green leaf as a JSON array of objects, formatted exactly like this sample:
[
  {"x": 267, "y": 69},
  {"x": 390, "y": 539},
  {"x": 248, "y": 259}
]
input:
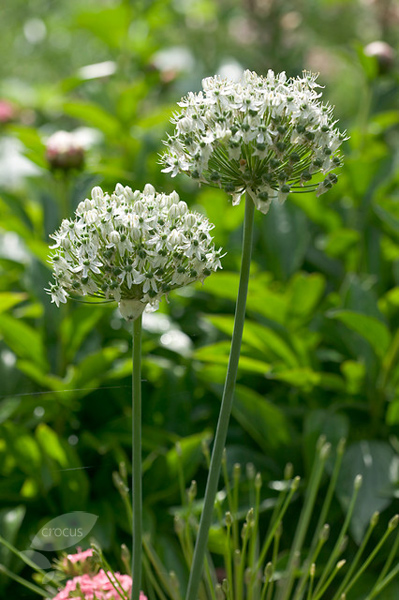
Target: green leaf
[
  {"x": 76, "y": 327},
  {"x": 377, "y": 463},
  {"x": 285, "y": 239},
  {"x": 8, "y": 407},
  {"x": 304, "y": 377},
  {"x": 370, "y": 328},
  {"x": 10, "y": 299},
  {"x": 264, "y": 422},
  {"x": 50, "y": 444},
  {"x": 218, "y": 354},
  {"x": 304, "y": 294},
  {"x": 65, "y": 470},
  {"x": 162, "y": 480},
  {"x": 24, "y": 448},
  {"x": 108, "y": 24},
  {"x": 264, "y": 339},
  {"x": 260, "y": 299},
  {"x": 25, "y": 341},
  {"x": 93, "y": 115},
  {"x": 94, "y": 368}
]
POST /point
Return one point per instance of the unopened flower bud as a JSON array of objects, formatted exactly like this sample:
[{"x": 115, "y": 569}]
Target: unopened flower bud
[
  {"x": 324, "y": 533},
  {"x": 179, "y": 524},
  {"x": 174, "y": 197},
  {"x": 149, "y": 190},
  {"x": 357, "y": 484},
  {"x": 250, "y": 469},
  {"x": 190, "y": 220},
  {"x": 383, "y": 53},
  {"x": 237, "y": 471},
  {"x": 288, "y": 471},
  {"x": 192, "y": 491},
  {"x": 182, "y": 206},
  {"x": 219, "y": 592},
  {"x": 114, "y": 237},
  {"x": 119, "y": 189},
  {"x": 295, "y": 483},
  {"x": 229, "y": 519},
  {"x": 64, "y": 152},
  {"x": 268, "y": 572},
  {"x": 374, "y": 519},
  {"x": 97, "y": 193}
]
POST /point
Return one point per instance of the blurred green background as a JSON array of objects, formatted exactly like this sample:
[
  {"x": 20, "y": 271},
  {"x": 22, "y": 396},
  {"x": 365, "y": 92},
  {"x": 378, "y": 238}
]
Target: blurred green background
[{"x": 321, "y": 343}]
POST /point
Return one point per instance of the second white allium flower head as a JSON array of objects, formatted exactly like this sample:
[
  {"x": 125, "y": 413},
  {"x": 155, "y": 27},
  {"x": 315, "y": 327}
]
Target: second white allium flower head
[
  {"x": 267, "y": 136},
  {"x": 132, "y": 247}
]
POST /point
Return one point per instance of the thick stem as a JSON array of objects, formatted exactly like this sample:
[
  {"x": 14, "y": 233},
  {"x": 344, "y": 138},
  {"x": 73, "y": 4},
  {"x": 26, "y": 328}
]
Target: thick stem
[
  {"x": 136, "y": 460},
  {"x": 225, "y": 410}
]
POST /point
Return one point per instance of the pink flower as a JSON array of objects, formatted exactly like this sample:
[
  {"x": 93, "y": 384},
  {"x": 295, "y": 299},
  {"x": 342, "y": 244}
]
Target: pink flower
[
  {"x": 7, "y": 111},
  {"x": 80, "y": 556},
  {"x": 98, "y": 587}
]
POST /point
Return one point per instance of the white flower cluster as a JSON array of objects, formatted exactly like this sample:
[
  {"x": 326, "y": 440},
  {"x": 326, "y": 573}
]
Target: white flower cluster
[
  {"x": 267, "y": 136},
  {"x": 132, "y": 247}
]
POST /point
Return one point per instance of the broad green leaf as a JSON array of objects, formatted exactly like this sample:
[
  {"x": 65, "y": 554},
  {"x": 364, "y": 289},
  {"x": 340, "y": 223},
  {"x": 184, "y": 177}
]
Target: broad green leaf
[
  {"x": 23, "y": 447},
  {"x": 10, "y": 299},
  {"x": 304, "y": 293},
  {"x": 264, "y": 422},
  {"x": 388, "y": 211},
  {"x": 339, "y": 242},
  {"x": 378, "y": 464},
  {"x": 94, "y": 368},
  {"x": 265, "y": 339},
  {"x": 317, "y": 211},
  {"x": 25, "y": 341},
  {"x": 110, "y": 24},
  {"x": 64, "y": 469},
  {"x": 219, "y": 354},
  {"x": 304, "y": 377},
  {"x": 76, "y": 327},
  {"x": 285, "y": 238},
  {"x": 261, "y": 298},
  {"x": 370, "y": 328},
  {"x": 92, "y": 114},
  {"x": 50, "y": 444},
  {"x": 162, "y": 480},
  {"x": 8, "y": 407},
  {"x": 354, "y": 373}
]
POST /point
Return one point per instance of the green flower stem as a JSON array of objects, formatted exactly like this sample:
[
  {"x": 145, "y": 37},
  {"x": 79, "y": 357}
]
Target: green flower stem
[
  {"x": 24, "y": 582},
  {"x": 225, "y": 410},
  {"x": 136, "y": 460}
]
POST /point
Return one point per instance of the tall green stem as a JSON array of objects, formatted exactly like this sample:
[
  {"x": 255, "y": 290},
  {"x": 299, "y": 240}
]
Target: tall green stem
[
  {"x": 225, "y": 410},
  {"x": 136, "y": 460}
]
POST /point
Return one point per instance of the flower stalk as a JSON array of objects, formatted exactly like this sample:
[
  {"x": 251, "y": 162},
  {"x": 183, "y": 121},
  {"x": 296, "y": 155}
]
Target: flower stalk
[
  {"x": 225, "y": 410},
  {"x": 136, "y": 460}
]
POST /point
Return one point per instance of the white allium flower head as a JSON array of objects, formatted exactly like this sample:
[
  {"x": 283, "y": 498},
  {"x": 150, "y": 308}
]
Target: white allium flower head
[
  {"x": 267, "y": 136},
  {"x": 132, "y": 248}
]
